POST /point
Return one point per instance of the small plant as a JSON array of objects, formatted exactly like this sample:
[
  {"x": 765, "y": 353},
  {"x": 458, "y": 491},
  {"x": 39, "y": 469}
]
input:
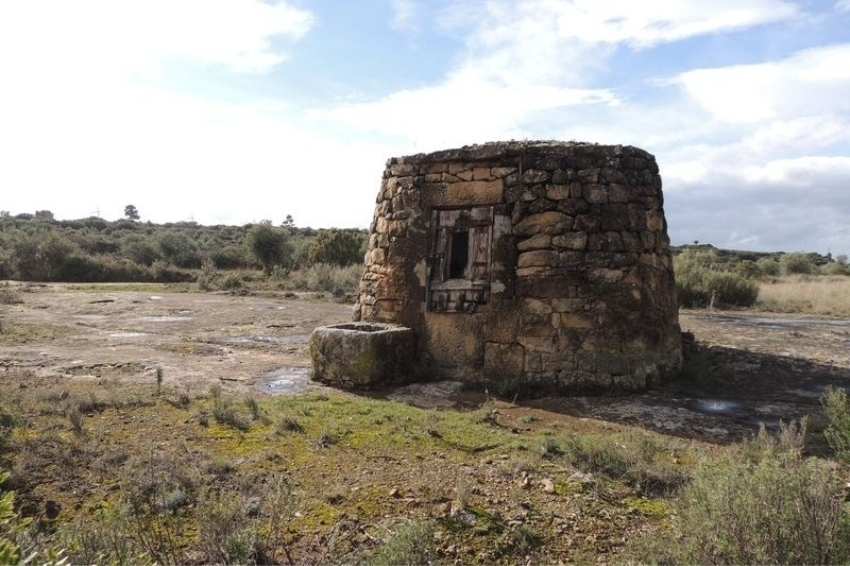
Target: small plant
[
  {"x": 231, "y": 282},
  {"x": 549, "y": 448},
  {"x": 75, "y": 416},
  {"x": 159, "y": 377},
  {"x": 837, "y": 407},
  {"x": 288, "y": 424},
  {"x": 463, "y": 489},
  {"x": 12, "y": 526},
  {"x": 761, "y": 503},
  {"x": 225, "y": 413},
  {"x": 215, "y": 391},
  {"x": 411, "y": 543},
  {"x": 253, "y": 407}
]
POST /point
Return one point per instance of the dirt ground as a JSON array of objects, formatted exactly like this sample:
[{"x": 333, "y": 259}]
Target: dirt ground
[{"x": 747, "y": 369}]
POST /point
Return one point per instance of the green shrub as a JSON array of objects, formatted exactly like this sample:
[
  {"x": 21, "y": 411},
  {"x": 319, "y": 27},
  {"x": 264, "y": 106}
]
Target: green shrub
[
  {"x": 795, "y": 263},
  {"x": 411, "y": 543},
  {"x": 759, "y": 503},
  {"x": 702, "y": 287},
  {"x": 269, "y": 245},
  {"x": 338, "y": 247},
  {"x": 12, "y": 526},
  {"x": 768, "y": 266},
  {"x": 703, "y": 281},
  {"x": 837, "y": 407},
  {"x": 640, "y": 460}
]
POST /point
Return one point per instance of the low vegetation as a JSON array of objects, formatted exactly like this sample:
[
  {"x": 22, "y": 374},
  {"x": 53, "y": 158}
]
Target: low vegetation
[
  {"x": 707, "y": 277},
  {"x": 39, "y": 248},
  {"x": 147, "y": 474}
]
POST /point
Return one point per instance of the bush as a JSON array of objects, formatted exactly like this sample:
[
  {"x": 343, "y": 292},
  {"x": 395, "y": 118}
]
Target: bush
[
  {"x": 270, "y": 246},
  {"x": 761, "y": 503},
  {"x": 702, "y": 287},
  {"x": 795, "y": 263},
  {"x": 338, "y": 247},
  {"x": 837, "y": 407},
  {"x": 640, "y": 460},
  {"x": 12, "y": 526},
  {"x": 411, "y": 543}
]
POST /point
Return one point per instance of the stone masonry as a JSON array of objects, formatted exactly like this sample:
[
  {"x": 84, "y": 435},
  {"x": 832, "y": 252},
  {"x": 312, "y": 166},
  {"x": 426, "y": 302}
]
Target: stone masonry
[{"x": 545, "y": 264}]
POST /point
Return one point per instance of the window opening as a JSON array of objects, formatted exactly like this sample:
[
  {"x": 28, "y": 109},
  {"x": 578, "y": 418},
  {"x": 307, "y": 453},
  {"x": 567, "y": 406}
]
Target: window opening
[{"x": 459, "y": 254}]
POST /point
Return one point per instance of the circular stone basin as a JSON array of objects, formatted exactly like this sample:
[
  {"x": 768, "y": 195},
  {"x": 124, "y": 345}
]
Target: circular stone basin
[{"x": 361, "y": 354}]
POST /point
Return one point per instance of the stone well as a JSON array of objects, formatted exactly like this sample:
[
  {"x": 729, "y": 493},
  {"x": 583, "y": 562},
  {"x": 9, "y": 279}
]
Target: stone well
[
  {"x": 543, "y": 264},
  {"x": 362, "y": 354}
]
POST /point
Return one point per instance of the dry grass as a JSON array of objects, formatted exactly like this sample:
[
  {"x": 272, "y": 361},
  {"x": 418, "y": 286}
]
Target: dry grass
[{"x": 827, "y": 295}]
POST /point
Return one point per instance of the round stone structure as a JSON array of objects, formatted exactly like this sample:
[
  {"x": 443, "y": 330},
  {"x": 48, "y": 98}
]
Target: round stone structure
[{"x": 540, "y": 264}]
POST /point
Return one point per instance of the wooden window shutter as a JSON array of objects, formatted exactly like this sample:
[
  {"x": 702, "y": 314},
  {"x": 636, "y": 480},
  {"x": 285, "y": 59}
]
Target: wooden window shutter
[{"x": 460, "y": 259}]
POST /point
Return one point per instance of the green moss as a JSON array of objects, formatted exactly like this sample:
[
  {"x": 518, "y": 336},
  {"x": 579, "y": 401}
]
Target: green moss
[{"x": 652, "y": 508}]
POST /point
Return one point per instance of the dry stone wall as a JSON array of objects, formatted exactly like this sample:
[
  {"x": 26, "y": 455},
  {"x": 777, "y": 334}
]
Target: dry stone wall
[{"x": 542, "y": 263}]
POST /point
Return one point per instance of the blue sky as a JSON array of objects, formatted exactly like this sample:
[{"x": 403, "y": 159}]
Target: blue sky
[{"x": 235, "y": 111}]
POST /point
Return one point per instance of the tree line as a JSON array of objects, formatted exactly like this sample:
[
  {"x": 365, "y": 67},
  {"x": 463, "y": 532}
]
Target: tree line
[{"x": 36, "y": 247}]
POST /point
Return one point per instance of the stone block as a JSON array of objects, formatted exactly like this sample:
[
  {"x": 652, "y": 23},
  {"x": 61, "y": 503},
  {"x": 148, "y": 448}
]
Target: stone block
[
  {"x": 481, "y": 174},
  {"x": 503, "y": 360},
  {"x": 362, "y": 354},
  {"x": 575, "y": 320},
  {"x": 551, "y": 222},
  {"x": 588, "y": 175},
  {"x": 536, "y": 306},
  {"x": 595, "y": 194},
  {"x": 533, "y": 176},
  {"x": 557, "y": 192},
  {"x": 537, "y": 258},
  {"x": 571, "y": 241},
  {"x": 536, "y": 242},
  {"x": 654, "y": 220}
]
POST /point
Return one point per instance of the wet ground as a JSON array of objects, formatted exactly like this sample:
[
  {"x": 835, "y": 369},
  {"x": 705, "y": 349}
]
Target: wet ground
[{"x": 747, "y": 369}]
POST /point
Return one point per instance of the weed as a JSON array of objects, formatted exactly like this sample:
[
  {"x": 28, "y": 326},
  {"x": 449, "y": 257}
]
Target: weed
[
  {"x": 288, "y": 424},
  {"x": 325, "y": 440},
  {"x": 410, "y": 543},
  {"x": 75, "y": 416},
  {"x": 9, "y": 297},
  {"x": 837, "y": 407},
  {"x": 549, "y": 448},
  {"x": 13, "y": 527},
  {"x": 215, "y": 391},
  {"x": 637, "y": 459},
  {"x": 225, "y": 413},
  {"x": 159, "y": 377},
  {"x": 463, "y": 489},
  {"x": 760, "y": 503},
  {"x": 253, "y": 407},
  {"x": 108, "y": 537}
]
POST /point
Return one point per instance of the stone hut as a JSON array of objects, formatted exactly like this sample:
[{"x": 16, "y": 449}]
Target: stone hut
[{"x": 542, "y": 264}]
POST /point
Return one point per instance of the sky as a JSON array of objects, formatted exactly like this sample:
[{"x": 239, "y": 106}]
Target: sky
[{"x": 237, "y": 111}]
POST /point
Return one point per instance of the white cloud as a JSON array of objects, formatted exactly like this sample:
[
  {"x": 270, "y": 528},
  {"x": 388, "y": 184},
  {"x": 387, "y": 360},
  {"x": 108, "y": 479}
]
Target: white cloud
[
  {"x": 813, "y": 81},
  {"x": 516, "y": 41},
  {"x": 459, "y": 111},
  {"x": 843, "y": 5},
  {"x": 405, "y": 14},
  {"x": 102, "y": 36}
]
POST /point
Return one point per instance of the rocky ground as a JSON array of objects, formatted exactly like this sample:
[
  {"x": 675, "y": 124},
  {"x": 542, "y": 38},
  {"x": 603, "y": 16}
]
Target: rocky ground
[
  {"x": 497, "y": 477},
  {"x": 748, "y": 368}
]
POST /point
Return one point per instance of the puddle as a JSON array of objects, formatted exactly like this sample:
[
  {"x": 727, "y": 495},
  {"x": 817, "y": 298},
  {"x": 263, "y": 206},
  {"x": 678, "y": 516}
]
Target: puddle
[
  {"x": 290, "y": 339},
  {"x": 165, "y": 318},
  {"x": 127, "y": 334},
  {"x": 715, "y": 406},
  {"x": 779, "y": 323},
  {"x": 286, "y": 380},
  {"x": 442, "y": 394}
]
